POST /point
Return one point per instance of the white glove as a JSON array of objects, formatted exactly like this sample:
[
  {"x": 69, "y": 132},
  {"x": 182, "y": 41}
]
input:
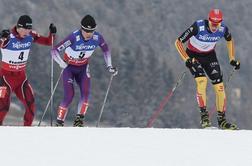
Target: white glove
[
  {"x": 63, "y": 65},
  {"x": 113, "y": 70},
  {"x": 58, "y": 59}
]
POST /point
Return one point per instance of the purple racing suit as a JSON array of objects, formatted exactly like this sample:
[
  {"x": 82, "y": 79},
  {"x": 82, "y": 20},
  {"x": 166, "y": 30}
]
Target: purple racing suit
[{"x": 77, "y": 51}]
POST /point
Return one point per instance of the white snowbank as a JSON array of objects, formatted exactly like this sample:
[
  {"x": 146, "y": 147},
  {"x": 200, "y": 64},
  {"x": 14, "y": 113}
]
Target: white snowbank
[{"x": 68, "y": 146}]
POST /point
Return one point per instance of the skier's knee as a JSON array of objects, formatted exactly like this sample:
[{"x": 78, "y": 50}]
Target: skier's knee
[
  {"x": 216, "y": 78},
  {"x": 28, "y": 94},
  {"x": 201, "y": 82}
]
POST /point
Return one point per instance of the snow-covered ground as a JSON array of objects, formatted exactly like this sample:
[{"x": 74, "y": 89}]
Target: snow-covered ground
[{"x": 68, "y": 146}]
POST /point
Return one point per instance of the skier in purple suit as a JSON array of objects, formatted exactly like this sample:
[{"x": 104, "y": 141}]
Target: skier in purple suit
[{"x": 79, "y": 46}]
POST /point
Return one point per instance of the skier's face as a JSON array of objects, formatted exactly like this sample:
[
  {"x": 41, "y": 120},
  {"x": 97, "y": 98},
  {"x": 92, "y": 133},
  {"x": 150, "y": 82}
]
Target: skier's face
[
  {"x": 87, "y": 34},
  {"x": 23, "y": 32},
  {"x": 214, "y": 26}
]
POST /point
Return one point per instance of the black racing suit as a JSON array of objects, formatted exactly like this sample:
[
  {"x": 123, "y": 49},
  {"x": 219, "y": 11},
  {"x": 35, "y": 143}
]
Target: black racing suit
[{"x": 207, "y": 62}]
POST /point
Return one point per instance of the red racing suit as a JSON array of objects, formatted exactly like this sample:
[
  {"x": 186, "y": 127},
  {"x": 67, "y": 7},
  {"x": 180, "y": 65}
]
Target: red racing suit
[{"x": 15, "y": 53}]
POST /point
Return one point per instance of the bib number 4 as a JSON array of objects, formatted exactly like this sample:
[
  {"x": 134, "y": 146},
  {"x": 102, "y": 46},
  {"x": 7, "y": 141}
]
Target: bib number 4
[{"x": 21, "y": 56}]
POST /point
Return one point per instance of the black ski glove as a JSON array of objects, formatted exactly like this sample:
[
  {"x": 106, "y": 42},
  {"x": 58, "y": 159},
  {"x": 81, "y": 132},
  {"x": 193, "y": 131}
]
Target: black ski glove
[
  {"x": 113, "y": 70},
  {"x": 53, "y": 28},
  {"x": 189, "y": 63},
  {"x": 5, "y": 33},
  {"x": 236, "y": 64}
]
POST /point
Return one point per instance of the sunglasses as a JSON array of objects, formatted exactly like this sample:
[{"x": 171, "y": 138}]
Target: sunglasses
[
  {"x": 25, "y": 27},
  {"x": 88, "y": 31}
]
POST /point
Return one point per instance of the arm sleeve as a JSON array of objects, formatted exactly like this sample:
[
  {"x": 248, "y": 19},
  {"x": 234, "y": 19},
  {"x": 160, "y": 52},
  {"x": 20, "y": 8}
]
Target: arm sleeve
[
  {"x": 191, "y": 31},
  {"x": 55, "y": 52},
  {"x": 230, "y": 44},
  {"x": 37, "y": 38},
  {"x": 61, "y": 46},
  {"x": 105, "y": 50},
  {"x": 227, "y": 34}
]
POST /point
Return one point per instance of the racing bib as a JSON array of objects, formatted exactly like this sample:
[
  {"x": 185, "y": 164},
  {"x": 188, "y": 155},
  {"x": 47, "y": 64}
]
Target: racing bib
[{"x": 14, "y": 60}]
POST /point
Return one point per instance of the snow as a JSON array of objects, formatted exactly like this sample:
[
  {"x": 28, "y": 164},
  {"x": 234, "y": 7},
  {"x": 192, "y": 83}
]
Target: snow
[{"x": 68, "y": 146}]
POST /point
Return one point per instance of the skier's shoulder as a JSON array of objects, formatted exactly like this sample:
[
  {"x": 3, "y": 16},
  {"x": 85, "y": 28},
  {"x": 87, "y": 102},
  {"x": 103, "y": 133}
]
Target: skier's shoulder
[
  {"x": 97, "y": 36},
  {"x": 223, "y": 27},
  {"x": 76, "y": 32},
  {"x": 193, "y": 29},
  {"x": 200, "y": 23},
  {"x": 97, "y": 33},
  {"x": 34, "y": 34},
  {"x": 74, "y": 35}
]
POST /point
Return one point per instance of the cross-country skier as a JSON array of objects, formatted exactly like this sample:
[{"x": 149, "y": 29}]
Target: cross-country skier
[
  {"x": 15, "y": 46},
  {"x": 78, "y": 48},
  {"x": 200, "y": 58}
]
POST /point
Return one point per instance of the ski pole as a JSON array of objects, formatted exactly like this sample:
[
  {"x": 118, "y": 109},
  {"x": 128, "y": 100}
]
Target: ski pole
[
  {"x": 230, "y": 77},
  {"x": 165, "y": 100},
  {"x": 104, "y": 101},
  {"x": 51, "y": 111},
  {"x": 50, "y": 99},
  {"x": 226, "y": 88}
]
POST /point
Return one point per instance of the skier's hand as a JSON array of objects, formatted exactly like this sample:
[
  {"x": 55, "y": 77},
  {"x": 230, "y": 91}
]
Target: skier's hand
[
  {"x": 53, "y": 28},
  {"x": 5, "y": 33},
  {"x": 189, "y": 63},
  {"x": 112, "y": 70},
  {"x": 192, "y": 64},
  {"x": 236, "y": 64}
]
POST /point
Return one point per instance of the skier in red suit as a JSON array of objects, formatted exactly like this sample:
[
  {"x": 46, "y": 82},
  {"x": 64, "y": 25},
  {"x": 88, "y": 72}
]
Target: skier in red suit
[{"x": 15, "y": 45}]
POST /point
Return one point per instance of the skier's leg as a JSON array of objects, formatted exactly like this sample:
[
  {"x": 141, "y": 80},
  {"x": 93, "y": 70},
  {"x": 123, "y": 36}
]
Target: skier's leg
[
  {"x": 26, "y": 96},
  {"x": 220, "y": 97},
  {"x": 5, "y": 92},
  {"x": 221, "y": 108},
  {"x": 84, "y": 85},
  {"x": 213, "y": 70},
  {"x": 68, "y": 96},
  {"x": 83, "y": 81},
  {"x": 200, "y": 77},
  {"x": 201, "y": 84}
]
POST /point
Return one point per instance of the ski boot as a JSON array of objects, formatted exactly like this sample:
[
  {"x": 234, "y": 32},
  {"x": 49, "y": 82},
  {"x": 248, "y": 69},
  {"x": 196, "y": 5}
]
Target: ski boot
[
  {"x": 223, "y": 124},
  {"x": 59, "y": 123},
  {"x": 205, "y": 122},
  {"x": 78, "y": 122}
]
